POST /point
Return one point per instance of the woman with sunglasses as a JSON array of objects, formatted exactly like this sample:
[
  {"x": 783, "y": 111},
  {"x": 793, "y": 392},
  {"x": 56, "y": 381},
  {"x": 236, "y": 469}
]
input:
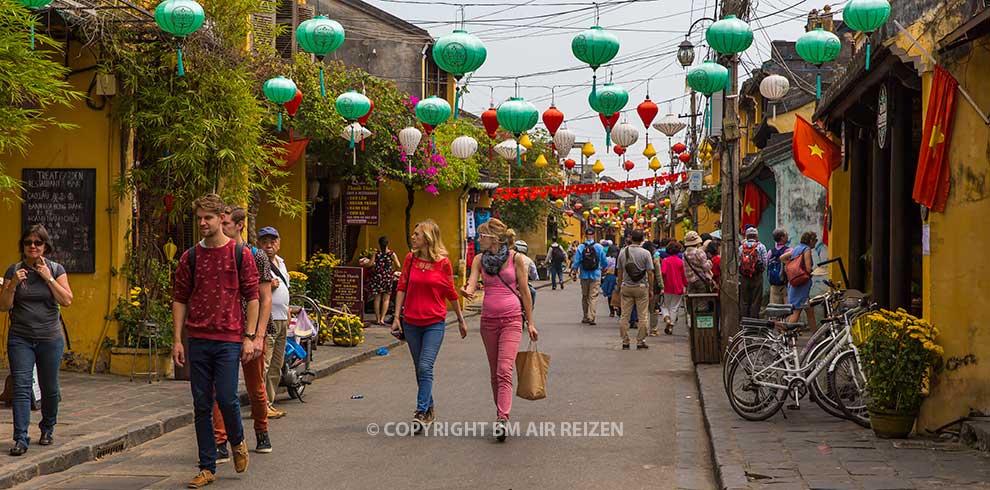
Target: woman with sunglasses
[{"x": 33, "y": 290}]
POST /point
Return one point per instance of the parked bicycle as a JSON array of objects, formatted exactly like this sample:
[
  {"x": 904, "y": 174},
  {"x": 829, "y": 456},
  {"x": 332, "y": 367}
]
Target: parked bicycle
[{"x": 300, "y": 343}]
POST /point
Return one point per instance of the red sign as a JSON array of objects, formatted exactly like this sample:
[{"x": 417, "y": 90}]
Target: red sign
[
  {"x": 361, "y": 204},
  {"x": 348, "y": 290}
]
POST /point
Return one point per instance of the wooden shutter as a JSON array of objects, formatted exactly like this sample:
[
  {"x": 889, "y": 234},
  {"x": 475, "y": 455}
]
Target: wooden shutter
[{"x": 285, "y": 18}]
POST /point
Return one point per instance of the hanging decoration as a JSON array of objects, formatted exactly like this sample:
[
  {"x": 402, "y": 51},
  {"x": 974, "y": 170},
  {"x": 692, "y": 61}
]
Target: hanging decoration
[
  {"x": 655, "y": 165},
  {"x": 647, "y": 111},
  {"x": 564, "y": 192},
  {"x": 351, "y": 106},
  {"x": 569, "y": 164},
  {"x": 577, "y": 207},
  {"x": 34, "y": 5},
  {"x": 619, "y": 150},
  {"x": 708, "y": 77},
  {"x": 552, "y": 119},
  {"x": 355, "y": 131},
  {"x": 459, "y": 53},
  {"x": 818, "y": 47},
  {"x": 409, "y": 139},
  {"x": 489, "y": 119},
  {"x": 866, "y": 16},
  {"x": 608, "y": 103},
  {"x": 364, "y": 119},
  {"x": 625, "y": 134},
  {"x": 432, "y": 112},
  {"x": 525, "y": 141},
  {"x": 517, "y": 116},
  {"x": 463, "y": 147},
  {"x": 180, "y": 18},
  {"x": 563, "y": 141},
  {"x": 595, "y": 47},
  {"x": 541, "y": 161},
  {"x": 679, "y": 148},
  {"x": 588, "y": 149},
  {"x": 320, "y": 36},
  {"x": 649, "y": 151},
  {"x": 684, "y": 157},
  {"x": 628, "y": 165},
  {"x": 292, "y": 106},
  {"x": 278, "y": 90},
  {"x": 670, "y": 125},
  {"x": 729, "y": 36},
  {"x": 508, "y": 149},
  {"x": 598, "y": 167},
  {"x": 774, "y": 88}
]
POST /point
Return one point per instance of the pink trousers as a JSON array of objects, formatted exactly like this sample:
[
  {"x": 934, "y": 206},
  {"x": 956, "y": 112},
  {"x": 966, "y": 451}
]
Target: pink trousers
[{"x": 501, "y": 337}]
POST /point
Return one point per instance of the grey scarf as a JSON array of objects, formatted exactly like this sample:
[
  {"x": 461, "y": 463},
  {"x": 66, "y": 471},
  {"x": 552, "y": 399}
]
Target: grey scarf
[{"x": 493, "y": 262}]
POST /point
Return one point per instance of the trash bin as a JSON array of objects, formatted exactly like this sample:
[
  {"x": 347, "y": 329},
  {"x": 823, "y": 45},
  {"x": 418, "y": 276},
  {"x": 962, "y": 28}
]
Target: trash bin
[{"x": 704, "y": 330}]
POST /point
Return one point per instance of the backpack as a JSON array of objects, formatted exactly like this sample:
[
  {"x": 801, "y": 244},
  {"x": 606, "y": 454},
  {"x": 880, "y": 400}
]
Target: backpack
[
  {"x": 557, "y": 256},
  {"x": 751, "y": 264},
  {"x": 631, "y": 269},
  {"x": 775, "y": 270},
  {"x": 589, "y": 258},
  {"x": 191, "y": 258}
]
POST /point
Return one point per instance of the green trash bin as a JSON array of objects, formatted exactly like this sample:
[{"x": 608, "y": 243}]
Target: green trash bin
[{"x": 704, "y": 331}]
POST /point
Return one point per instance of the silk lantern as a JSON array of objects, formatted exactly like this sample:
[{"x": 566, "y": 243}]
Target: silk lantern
[
  {"x": 517, "y": 116},
  {"x": 684, "y": 157},
  {"x": 34, "y": 5},
  {"x": 292, "y": 106},
  {"x": 729, "y": 36},
  {"x": 181, "y": 18},
  {"x": 670, "y": 125},
  {"x": 352, "y": 105},
  {"x": 552, "y": 119},
  {"x": 708, "y": 77},
  {"x": 409, "y": 139},
  {"x": 569, "y": 164},
  {"x": 278, "y": 90},
  {"x": 509, "y": 149},
  {"x": 866, "y": 16},
  {"x": 655, "y": 165},
  {"x": 588, "y": 149},
  {"x": 541, "y": 161},
  {"x": 578, "y": 206},
  {"x": 364, "y": 119},
  {"x": 649, "y": 151},
  {"x": 320, "y": 36},
  {"x": 598, "y": 167},
  {"x": 679, "y": 148},
  {"x": 818, "y": 47},
  {"x": 559, "y": 203},
  {"x": 774, "y": 88},
  {"x": 619, "y": 150},
  {"x": 458, "y": 53},
  {"x": 525, "y": 141},
  {"x": 595, "y": 46},
  {"x": 628, "y": 165},
  {"x": 432, "y": 112},
  {"x": 463, "y": 147},
  {"x": 355, "y": 131},
  {"x": 563, "y": 141},
  {"x": 647, "y": 111},
  {"x": 609, "y": 102},
  {"x": 625, "y": 134}
]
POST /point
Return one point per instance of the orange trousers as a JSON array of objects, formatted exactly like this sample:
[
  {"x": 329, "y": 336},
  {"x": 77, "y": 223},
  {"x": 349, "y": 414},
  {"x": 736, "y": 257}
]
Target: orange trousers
[{"x": 254, "y": 379}]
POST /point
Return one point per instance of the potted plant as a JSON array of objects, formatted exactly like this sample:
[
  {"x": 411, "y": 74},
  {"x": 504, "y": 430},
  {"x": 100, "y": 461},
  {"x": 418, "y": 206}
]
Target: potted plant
[
  {"x": 897, "y": 356},
  {"x": 319, "y": 275}
]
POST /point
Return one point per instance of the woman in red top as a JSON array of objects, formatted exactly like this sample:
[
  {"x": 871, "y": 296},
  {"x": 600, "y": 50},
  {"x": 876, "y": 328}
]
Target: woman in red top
[{"x": 427, "y": 281}]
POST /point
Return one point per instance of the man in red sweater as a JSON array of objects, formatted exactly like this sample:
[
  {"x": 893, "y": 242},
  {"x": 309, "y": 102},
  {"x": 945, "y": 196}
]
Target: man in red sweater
[{"x": 207, "y": 303}]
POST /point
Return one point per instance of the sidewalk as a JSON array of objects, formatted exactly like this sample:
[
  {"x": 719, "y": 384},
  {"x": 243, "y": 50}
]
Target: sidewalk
[
  {"x": 813, "y": 450},
  {"x": 102, "y": 415}
]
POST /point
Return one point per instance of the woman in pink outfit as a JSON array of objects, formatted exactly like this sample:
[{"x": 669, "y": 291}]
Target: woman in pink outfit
[
  {"x": 674, "y": 283},
  {"x": 507, "y": 301}
]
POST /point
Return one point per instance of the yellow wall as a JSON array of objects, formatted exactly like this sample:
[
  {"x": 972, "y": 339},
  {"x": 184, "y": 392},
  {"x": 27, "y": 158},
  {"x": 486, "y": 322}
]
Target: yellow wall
[
  {"x": 292, "y": 230},
  {"x": 706, "y": 222},
  {"x": 536, "y": 238},
  {"x": 785, "y": 120},
  {"x": 571, "y": 230},
  {"x": 838, "y": 245},
  {"x": 95, "y": 143}
]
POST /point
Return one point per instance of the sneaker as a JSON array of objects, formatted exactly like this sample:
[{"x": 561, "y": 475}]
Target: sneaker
[
  {"x": 429, "y": 417},
  {"x": 418, "y": 422},
  {"x": 46, "y": 439},
  {"x": 592, "y": 322},
  {"x": 264, "y": 443},
  {"x": 240, "y": 453},
  {"x": 585, "y": 321},
  {"x": 274, "y": 413},
  {"x": 223, "y": 455},
  {"x": 642, "y": 345},
  {"x": 625, "y": 346},
  {"x": 201, "y": 480},
  {"x": 655, "y": 332},
  {"x": 19, "y": 449},
  {"x": 500, "y": 430}
]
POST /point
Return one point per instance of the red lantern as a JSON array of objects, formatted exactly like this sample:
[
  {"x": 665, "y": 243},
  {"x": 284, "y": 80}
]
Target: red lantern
[
  {"x": 628, "y": 165},
  {"x": 293, "y": 105},
  {"x": 678, "y": 148},
  {"x": 569, "y": 212},
  {"x": 364, "y": 119},
  {"x": 569, "y": 164},
  {"x": 684, "y": 157},
  {"x": 553, "y": 118},
  {"x": 614, "y": 209},
  {"x": 619, "y": 150},
  {"x": 490, "y": 119},
  {"x": 578, "y": 206},
  {"x": 651, "y": 206},
  {"x": 647, "y": 112},
  {"x": 169, "y": 200}
]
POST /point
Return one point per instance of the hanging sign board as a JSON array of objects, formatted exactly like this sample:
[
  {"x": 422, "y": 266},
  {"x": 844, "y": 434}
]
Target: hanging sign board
[
  {"x": 361, "y": 204},
  {"x": 64, "y": 201},
  {"x": 695, "y": 180},
  {"x": 882, "y": 117}
]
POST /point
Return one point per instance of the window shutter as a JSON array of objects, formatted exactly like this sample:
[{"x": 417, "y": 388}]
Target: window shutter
[
  {"x": 285, "y": 43},
  {"x": 262, "y": 30}
]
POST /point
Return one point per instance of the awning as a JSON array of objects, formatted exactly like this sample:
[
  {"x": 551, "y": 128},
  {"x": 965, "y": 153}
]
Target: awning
[{"x": 975, "y": 28}]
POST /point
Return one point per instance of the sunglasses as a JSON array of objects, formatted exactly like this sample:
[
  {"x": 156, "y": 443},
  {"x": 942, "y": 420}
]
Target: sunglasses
[{"x": 36, "y": 243}]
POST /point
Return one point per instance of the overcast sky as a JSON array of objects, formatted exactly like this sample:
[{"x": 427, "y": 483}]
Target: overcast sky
[{"x": 526, "y": 36}]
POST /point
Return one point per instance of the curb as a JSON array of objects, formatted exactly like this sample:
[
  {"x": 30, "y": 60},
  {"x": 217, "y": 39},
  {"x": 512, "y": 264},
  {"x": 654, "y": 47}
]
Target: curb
[{"x": 729, "y": 473}]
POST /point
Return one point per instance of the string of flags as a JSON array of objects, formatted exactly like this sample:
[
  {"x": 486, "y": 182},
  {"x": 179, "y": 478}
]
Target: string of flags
[{"x": 560, "y": 191}]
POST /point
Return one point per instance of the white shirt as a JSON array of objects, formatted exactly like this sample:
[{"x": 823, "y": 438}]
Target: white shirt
[{"x": 280, "y": 296}]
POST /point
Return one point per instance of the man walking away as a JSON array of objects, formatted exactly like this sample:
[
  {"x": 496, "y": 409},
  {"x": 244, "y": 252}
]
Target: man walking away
[
  {"x": 210, "y": 281},
  {"x": 557, "y": 258},
  {"x": 634, "y": 268},
  {"x": 775, "y": 268},
  {"x": 589, "y": 261},
  {"x": 752, "y": 263},
  {"x": 271, "y": 243},
  {"x": 531, "y": 272}
]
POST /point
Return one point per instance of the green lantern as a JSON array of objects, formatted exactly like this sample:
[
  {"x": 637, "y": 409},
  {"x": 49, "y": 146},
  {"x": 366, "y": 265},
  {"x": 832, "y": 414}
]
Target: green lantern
[
  {"x": 352, "y": 105},
  {"x": 34, "y": 5},
  {"x": 180, "y": 18},
  {"x": 729, "y": 36},
  {"x": 279, "y": 90},
  {"x": 320, "y": 36},
  {"x": 517, "y": 116},
  {"x": 432, "y": 112},
  {"x": 866, "y": 16},
  {"x": 609, "y": 100},
  {"x": 708, "y": 78},
  {"x": 595, "y": 46},
  {"x": 818, "y": 47},
  {"x": 458, "y": 53}
]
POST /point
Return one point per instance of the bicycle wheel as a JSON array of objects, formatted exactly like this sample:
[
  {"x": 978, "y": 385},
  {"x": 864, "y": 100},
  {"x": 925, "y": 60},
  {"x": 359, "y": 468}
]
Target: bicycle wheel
[
  {"x": 751, "y": 400},
  {"x": 818, "y": 387},
  {"x": 847, "y": 384},
  {"x": 736, "y": 346}
]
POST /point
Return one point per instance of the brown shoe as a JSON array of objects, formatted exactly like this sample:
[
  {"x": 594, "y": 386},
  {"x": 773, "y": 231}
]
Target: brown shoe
[
  {"x": 201, "y": 480},
  {"x": 240, "y": 454},
  {"x": 429, "y": 417},
  {"x": 274, "y": 413}
]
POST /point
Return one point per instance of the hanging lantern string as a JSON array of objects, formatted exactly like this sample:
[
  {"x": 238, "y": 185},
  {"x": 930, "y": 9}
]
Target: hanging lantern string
[
  {"x": 517, "y": 87},
  {"x": 553, "y": 96},
  {"x": 597, "y": 14}
]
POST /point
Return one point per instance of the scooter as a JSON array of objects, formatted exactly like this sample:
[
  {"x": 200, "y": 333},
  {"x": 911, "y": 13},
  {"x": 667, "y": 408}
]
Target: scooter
[{"x": 299, "y": 345}]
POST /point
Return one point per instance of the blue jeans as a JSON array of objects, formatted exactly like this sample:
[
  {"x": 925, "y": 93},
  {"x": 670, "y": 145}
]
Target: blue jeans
[
  {"x": 424, "y": 345},
  {"x": 213, "y": 369},
  {"x": 24, "y": 354},
  {"x": 556, "y": 274}
]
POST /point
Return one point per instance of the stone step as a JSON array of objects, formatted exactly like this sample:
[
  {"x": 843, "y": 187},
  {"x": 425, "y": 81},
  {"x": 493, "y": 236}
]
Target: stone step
[{"x": 976, "y": 433}]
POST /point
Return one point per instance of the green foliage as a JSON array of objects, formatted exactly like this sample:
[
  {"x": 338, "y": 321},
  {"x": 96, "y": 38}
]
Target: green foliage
[
  {"x": 319, "y": 276},
  {"x": 526, "y": 215},
  {"x": 31, "y": 81},
  {"x": 149, "y": 299},
  {"x": 713, "y": 198}
]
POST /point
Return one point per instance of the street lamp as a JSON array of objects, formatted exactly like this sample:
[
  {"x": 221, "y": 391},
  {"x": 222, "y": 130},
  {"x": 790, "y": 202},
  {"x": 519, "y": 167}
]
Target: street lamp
[{"x": 685, "y": 53}]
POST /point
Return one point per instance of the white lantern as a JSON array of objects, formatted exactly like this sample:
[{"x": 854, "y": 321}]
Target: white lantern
[
  {"x": 629, "y": 221},
  {"x": 355, "y": 130},
  {"x": 409, "y": 139},
  {"x": 774, "y": 88},
  {"x": 564, "y": 141},
  {"x": 463, "y": 147},
  {"x": 669, "y": 125},
  {"x": 507, "y": 149},
  {"x": 653, "y": 219},
  {"x": 625, "y": 134},
  {"x": 641, "y": 221}
]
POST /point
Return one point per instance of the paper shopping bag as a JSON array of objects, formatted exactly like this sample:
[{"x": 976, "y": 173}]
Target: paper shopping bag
[{"x": 531, "y": 368}]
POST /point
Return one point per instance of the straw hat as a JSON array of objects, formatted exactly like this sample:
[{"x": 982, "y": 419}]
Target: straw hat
[{"x": 692, "y": 238}]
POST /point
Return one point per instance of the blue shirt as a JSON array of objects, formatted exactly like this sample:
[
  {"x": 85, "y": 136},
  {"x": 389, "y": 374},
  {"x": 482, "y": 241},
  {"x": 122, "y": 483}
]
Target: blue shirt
[{"x": 602, "y": 260}]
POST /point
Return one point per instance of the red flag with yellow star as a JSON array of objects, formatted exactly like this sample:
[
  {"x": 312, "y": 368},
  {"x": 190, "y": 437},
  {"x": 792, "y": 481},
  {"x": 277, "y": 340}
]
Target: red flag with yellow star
[
  {"x": 931, "y": 183},
  {"x": 754, "y": 202},
  {"x": 815, "y": 155}
]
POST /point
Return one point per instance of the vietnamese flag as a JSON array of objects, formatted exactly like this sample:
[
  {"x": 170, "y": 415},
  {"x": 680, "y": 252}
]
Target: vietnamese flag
[
  {"x": 815, "y": 156},
  {"x": 931, "y": 182},
  {"x": 754, "y": 202}
]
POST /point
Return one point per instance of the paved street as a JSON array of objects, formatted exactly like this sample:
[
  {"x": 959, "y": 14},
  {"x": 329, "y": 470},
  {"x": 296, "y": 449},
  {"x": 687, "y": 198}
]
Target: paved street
[{"x": 650, "y": 396}]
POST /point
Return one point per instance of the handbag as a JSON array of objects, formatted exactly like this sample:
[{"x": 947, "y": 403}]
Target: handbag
[
  {"x": 796, "y": 273},
  {"x": 532, "y": 367}
]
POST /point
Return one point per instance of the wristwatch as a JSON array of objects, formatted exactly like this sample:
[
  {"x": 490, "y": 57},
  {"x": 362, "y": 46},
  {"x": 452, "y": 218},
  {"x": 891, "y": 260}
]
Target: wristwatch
[
  {"x": 251, "y": 336},
  {"x": 51, "y": 279}
]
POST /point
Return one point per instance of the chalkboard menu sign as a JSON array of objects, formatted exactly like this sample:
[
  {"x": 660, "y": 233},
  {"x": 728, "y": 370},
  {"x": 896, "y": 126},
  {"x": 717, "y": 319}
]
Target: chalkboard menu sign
[
  {"x": 64, "y": 200},
  {"x": 348, "y": 289},
  {"x": 361, "y": 205}
]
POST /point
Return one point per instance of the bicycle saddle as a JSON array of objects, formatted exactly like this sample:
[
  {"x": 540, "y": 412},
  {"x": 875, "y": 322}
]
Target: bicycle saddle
[
  {"x": 774, "y": 310},
  {"x": 791, "y": 327}
]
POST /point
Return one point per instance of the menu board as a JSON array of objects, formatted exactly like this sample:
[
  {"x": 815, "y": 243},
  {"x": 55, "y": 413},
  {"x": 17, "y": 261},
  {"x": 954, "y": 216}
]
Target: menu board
[
  {"x": 64, "y": 201},
  {"x": 348, "y": 289},
  {"x": 361, "y": 204}
]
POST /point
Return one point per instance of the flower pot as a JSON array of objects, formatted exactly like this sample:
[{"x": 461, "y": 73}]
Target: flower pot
[
  {"x": 891, "y": 425},
  {"x": 122, "y": 358}
]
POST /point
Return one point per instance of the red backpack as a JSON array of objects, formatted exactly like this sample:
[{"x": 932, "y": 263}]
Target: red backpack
[{"x": 750, "y": 264}]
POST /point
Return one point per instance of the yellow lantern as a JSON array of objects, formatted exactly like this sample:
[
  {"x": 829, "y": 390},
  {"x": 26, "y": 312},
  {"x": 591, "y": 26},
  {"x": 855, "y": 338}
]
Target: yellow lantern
[
  {"x": 525, "y": 142},
  {"x": 595, "y": 210},
  {"x": 666, "y": 202},
  {"x": 588, "y": 149},
  {"x": 541, "y": 161},
  {"x": 559, "y": 203},
  {"x": 655, "y": 164},
  {"x": 632, "y": 208},
  {"x": 649, "y": 151},
  {"x": 585, "y": 214},
  {"x": 598, "y": 167}
]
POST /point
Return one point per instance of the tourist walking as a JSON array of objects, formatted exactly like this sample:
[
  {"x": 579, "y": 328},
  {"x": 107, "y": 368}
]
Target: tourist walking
[
  {"x": 426, "y": 285},
  {"x": 711, "y": 248},
  {"x": 210, "y": 281},
  {"x": 589, "y": 260},
  {"x": 609, "y": 281},
  {"x": 33, "y": 290},
  {"x": 657, "y": 286},
  {"x": 382, "y": 278},
  {"x": 799, "y": 283},
  {"x": 278, "y": 326},
  {"x": 775, "y": 268},
  {"x": 674, "y": 285},
  {"x": 698, "y": 267},
  {"x": 557, "y": 259},
  {"x": 634, "y": 271},
  {"x": 506, "y": 305},
  {"x": 752, "y": 263}
]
